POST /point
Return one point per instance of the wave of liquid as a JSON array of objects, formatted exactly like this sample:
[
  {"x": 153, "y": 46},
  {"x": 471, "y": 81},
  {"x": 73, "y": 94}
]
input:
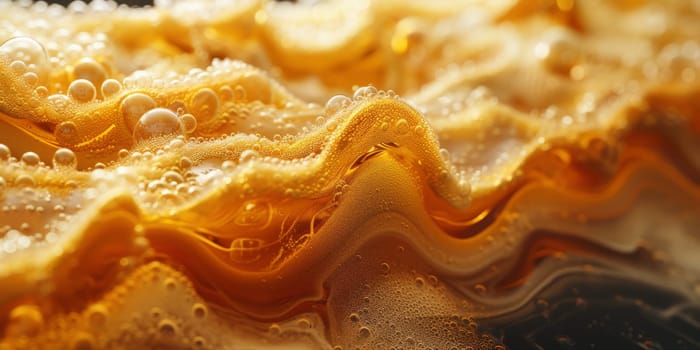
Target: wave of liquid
[{"x": 492, "y": 175}]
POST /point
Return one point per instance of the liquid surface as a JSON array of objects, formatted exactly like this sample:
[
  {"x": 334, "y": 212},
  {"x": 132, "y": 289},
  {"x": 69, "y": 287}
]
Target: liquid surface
[{"x": 350, "y": 175}]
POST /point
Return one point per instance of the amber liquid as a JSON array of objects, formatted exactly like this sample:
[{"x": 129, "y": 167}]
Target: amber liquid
[{"x": 350, "y": 175}]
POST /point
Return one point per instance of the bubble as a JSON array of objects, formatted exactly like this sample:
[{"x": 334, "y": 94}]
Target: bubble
[
  {"x": 83, "y": 341},
  {"x": 42, "y": 91},
  {"x": 226, "y": 93},
  {"x": 420, "y": 282},
  {"x": 204, "y": 104},
  {"x": 199, "y": 342},
  {"x": 336, "y": 103},
  {"x": 189, "y": 122},
  {"x": 134, "y": 106},
  {"x": 27, "y": 50},
  {"x": 248, "y": 155},
  {"x": 90, "y": 70},
  {"x": 123, "y": 153},
  {"x": 401, "y": 126},
  {"x": 157, "y": 122},
  {"x": 167, "y": 327},
  {"x": 364, "y": 92},
  {"x": 176, "y": 143},
  {"x": 199, "y": 310},
  {"x": 275, "y": 329},
  {"x": 24, "y": 180},
  {"x": 185, "y": 163},
  {"x": 59, "y": 101},
  {"x": 64, "y": 159},
  {"x": 170, "y": 283},
  {"x": 110, "y": 87},
  {"x": 558, "y": 51},
  {"x": 227, "y": 165},
  {"x": 66, "y": 131},
  {"x": 82, "y": 90},
  {"x": 26, "y": 320},
  {"x": 364, "y": 332},
  {"x": 172, "y": 176},
  {"x": 19, "y": 67},
  {"x": 4, "y": 152},
  {"x": 31, "y": 78},
  {"x": 97, "y": 315},
  {"x": 30, "y": 159}
]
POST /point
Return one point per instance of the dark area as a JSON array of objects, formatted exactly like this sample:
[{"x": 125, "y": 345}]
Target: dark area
[{"x": 602, "y": 314}]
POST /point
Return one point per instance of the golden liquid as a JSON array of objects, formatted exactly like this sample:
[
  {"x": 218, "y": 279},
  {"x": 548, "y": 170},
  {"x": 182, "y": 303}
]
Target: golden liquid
[{"x": 350, "y": 174}]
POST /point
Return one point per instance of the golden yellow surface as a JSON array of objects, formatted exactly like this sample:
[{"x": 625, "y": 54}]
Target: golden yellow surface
[{"x": 348, "y": 174}]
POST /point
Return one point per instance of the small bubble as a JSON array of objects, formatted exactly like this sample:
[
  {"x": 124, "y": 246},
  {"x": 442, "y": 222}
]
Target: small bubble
[
  {"x": 199, "y": 342},
  {"x": 167, "y": 327},
  {"x": 66, "y": 131},
  {"x": 204, "y": 105},
  {"x": 275, "y": 329},
  {"x": 41, "y": 91},
  {"x": 401, "y": 126},
  {"x": 18, "y": 67},
  {"x": 189, "y": 122},
  {"x": 304, "y": 323},
  {"x": 364, "y": 332},
  {"x": 82, "y": 91},
  {"x": 170, "y": 284},
  {"x": 432, "y": 279},
  {"x": 4, "y": 152},
  {"x": 420, "y": 282},
  {"x": 123, "y": 153},
  {"x": 157, "y": 122},
  {"x": 97, "y": 315},
  {"x": 364, "y": 92},
  {"x": 26, "y": 320},
  {"x": 172, "y": 176},
  {"x": 64, "y": 159},
  {"x": 31, "y": 78},
  {"x": 90, "y": 70},
  {"x": 83, "y": 341},
  {"x": 185, "y": 163},
  {"x": 134, "y": 106},
  {"x": 199, "y": 310},
  {"x": 30, "y": 159},
  {"x": 226, "y": 93},
  {"x": 110, "y": 87},
  {"x": 248, "y": 155},
  {"x": 336, "y": 103}
]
